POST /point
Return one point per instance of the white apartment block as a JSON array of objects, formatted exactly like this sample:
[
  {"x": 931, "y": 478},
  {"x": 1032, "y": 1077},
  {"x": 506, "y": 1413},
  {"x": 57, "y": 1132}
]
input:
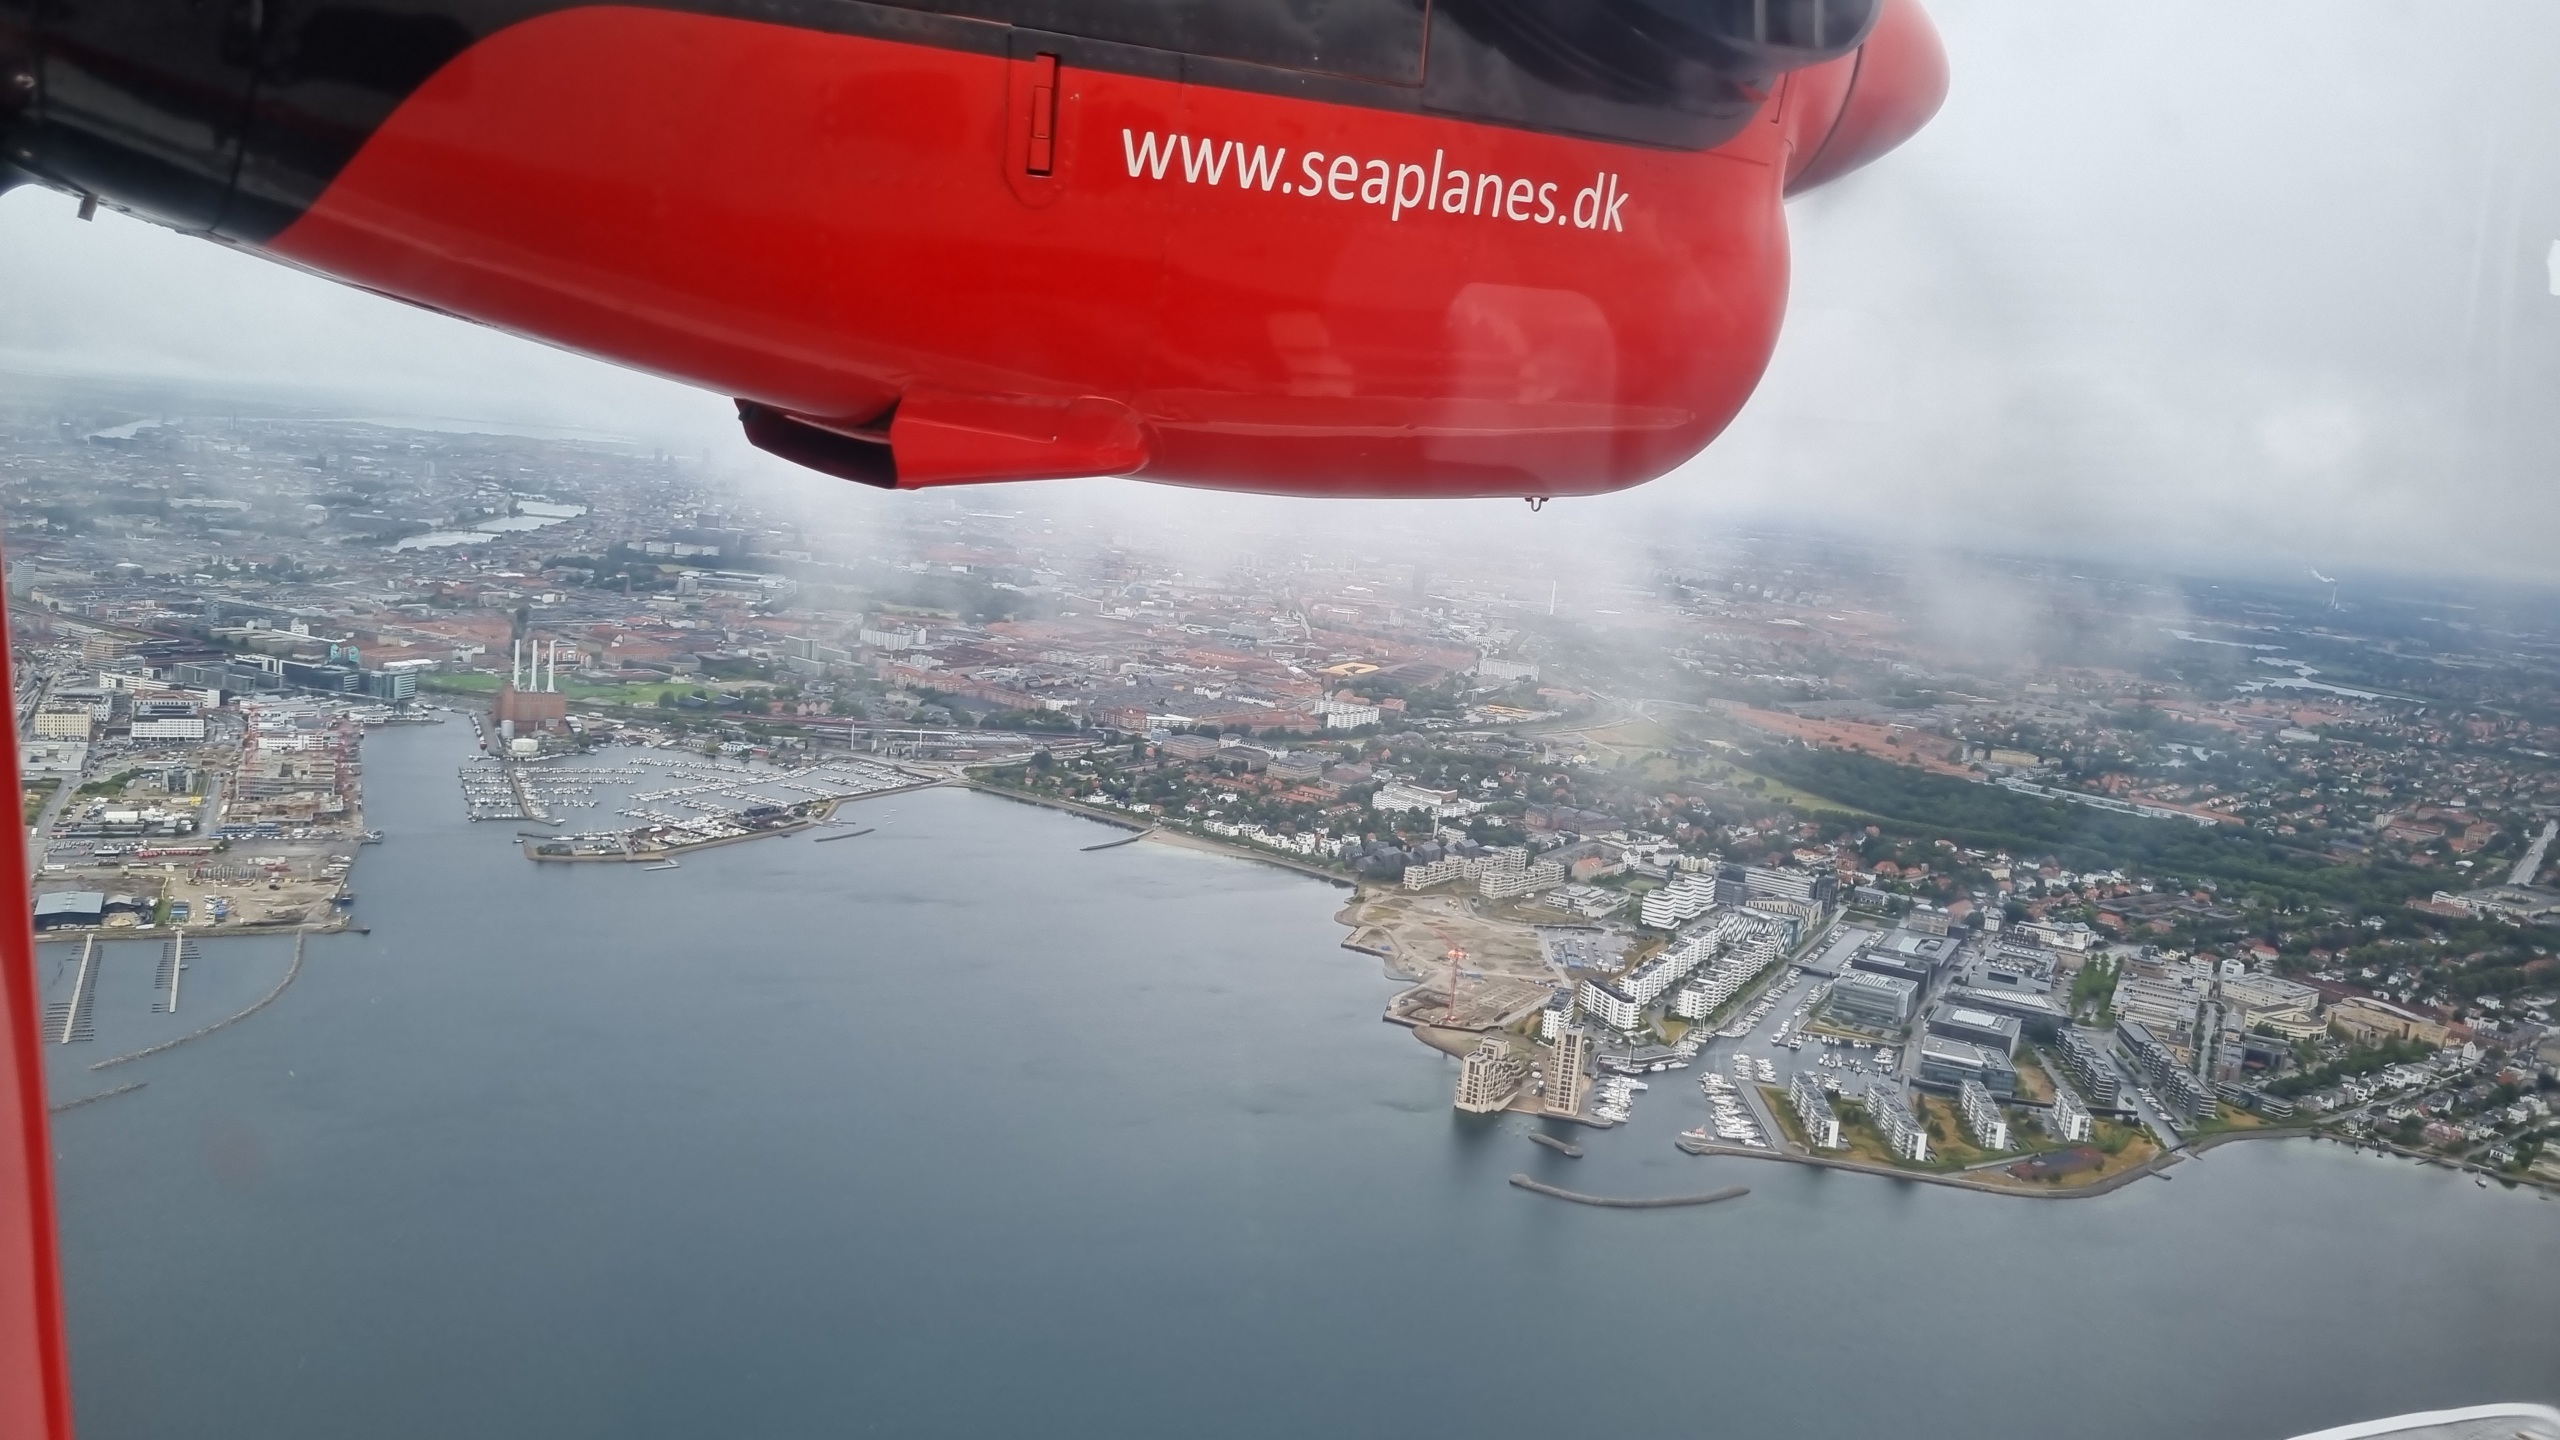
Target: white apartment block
[
  {"x": 1602, "y": 1002},
  {"x": 1565, "y": 1080},
  {"x": 1398, "y": 795},
  {"x": 1510, "y": 884},
  {"x": 1687, "y": 897},
  {"x": 1982, "y": 1117},
  {"x": 1814, "y": 1113},
  {"x": 1903, "y": 1135},
  {"x": 2068, "y": 1120}
]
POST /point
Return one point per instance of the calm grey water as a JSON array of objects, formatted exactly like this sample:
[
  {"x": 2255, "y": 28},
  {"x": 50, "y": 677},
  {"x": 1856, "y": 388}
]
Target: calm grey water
[{"x": 953, "y": 1130}]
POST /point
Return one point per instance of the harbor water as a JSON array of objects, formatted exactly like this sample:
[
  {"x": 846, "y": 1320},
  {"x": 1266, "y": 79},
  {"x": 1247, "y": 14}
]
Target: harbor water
[{"x": 957, "y": 1129}]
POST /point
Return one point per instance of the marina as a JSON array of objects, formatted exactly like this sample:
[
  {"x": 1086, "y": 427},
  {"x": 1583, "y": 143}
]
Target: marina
[{"x": 715, "y": 801}]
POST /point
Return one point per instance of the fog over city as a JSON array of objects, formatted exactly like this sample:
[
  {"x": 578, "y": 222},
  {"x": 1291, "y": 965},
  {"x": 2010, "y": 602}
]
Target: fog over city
[{"x": 2163, "y": 284}]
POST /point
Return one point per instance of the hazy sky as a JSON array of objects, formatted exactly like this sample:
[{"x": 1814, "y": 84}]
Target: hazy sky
[{"x": 2268, "y": 282}]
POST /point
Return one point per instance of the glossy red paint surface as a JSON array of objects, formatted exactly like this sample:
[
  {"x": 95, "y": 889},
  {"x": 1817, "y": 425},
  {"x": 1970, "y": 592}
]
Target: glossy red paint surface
[
  {"x": 35, "y": 1372},
  {"x": 1889, "y": 89},
  {"x": 824, "y": 223}
]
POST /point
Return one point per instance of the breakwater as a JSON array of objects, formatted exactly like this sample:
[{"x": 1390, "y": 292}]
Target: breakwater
[
  {"x": 125, "y": 1089},
  {"x": 1658, "y": 1202},
  {"x": 263, "y": 1002}
]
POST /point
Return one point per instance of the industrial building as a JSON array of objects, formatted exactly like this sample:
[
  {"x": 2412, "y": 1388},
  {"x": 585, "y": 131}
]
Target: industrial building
[{"x": 63, "y": 909}]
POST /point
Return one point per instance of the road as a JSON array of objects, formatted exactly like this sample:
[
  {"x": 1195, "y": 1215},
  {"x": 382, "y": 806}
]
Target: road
[{"x": 2531, "y": 864}]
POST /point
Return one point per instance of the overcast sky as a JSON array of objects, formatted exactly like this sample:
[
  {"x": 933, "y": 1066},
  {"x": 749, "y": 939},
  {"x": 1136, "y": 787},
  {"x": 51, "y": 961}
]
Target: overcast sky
[{"x": 2267, "y": 283}]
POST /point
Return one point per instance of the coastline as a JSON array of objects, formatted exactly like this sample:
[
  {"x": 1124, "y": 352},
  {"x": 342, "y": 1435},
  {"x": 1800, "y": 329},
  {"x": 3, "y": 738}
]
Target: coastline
[
  {"x": 1183, "y": 839},
  {"x": 2156, "y": 1165}
]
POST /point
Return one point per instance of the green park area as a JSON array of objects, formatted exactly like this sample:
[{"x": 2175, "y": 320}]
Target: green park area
[{"x": 647, "y": 695}]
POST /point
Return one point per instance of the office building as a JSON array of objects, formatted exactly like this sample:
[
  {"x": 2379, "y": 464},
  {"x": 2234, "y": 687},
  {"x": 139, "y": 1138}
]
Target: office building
[
  {"x": 1981, "y": 1027},
  {"x": 1982, "y": 1117},
  {"x": 64, "y": 720},
  {"x": 167, "y": 720},
  {"x": 1893, "y": 1120},
  {"x": 2037, "y": 1014},
  {"x": 1488, "y": 1078},
  {"x": 1877, "y": 1002},
  {"x": 1813, "y": 887},
  {"x": 1946, "y": 1064},
  {"x": 1567, "y": 1059},
  {"x": 1814, "y": 1113},
  {"x": 2166, "y": 1006}
]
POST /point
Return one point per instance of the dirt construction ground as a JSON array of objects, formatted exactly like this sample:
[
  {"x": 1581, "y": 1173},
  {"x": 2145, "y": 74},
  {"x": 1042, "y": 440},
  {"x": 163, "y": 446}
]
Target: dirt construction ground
[{"x": 1423, "y": 927}]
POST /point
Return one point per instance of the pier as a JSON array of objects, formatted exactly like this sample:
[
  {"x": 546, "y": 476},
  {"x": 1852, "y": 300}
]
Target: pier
[
  {"x": 1565, "y": 1148},
  {"x": 173, "y": 968},
  {"x": 1660, "y": 1202},
  {"x": 299, "y": 937},
  {"x": 75, "y": 1019}
]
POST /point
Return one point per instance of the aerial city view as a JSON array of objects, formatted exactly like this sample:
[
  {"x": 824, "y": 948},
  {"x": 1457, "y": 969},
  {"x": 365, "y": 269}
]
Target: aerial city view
[{"x": 635, "y": 824}]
